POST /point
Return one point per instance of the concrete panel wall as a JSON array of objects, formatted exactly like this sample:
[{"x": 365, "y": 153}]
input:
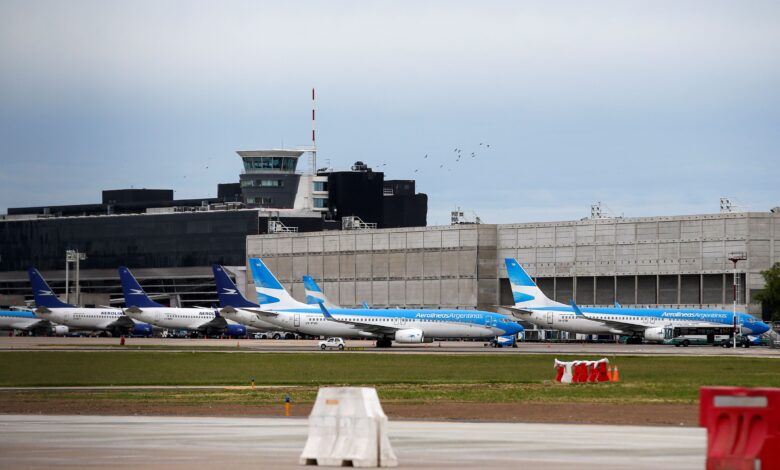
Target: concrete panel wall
[{"x": 642, "y": 260}]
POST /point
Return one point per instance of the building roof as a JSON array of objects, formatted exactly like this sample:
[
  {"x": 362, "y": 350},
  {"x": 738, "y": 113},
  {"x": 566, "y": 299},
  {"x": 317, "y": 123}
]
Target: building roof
[{"x": 270, "y": 153}]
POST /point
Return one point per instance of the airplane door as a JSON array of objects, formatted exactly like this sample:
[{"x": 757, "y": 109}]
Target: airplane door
[
  {"x": 549, "y": 318},
  {"x": 297, "y": 320}
]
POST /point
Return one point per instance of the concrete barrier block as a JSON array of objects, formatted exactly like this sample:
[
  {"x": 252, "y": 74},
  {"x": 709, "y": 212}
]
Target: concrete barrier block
[{"x": 347, "y": 427}]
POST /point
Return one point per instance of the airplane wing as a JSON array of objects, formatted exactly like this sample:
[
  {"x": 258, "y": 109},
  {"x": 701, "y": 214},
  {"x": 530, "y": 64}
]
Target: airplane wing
[
  {"x": 520, "y": 313},
  {"x": 257, "y": 311},
  {"x": 217, "y": 322},
  {"x": 616, "y": 325},
  {"x": 367, "y": 327},
  {"x": 122, "y": 322}
]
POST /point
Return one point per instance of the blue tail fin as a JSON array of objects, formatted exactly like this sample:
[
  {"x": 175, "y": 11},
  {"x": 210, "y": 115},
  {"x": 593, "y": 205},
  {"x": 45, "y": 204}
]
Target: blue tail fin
[
  {"x": 44, "y": 296},
  {"x": 270, "y": 291},
  {"x": 313, "y": 292},
  {"x": 524, "y": 290},
  {"x": 134, "y": 293},
  {"x": 228, "y": 293}
]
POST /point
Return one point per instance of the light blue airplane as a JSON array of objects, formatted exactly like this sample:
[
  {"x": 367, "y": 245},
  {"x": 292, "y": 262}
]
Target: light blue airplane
[
  {"x": 25, "y": 320},
  {"x": 638, "y": 323},
  {"x": 385, "y": 325}
]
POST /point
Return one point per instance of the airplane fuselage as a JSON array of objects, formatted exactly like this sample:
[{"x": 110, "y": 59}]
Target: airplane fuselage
[
  {"x": 19, "y": 320},
  {"x": 82, "y": 318},
  {"x": 172, "y": 317},
  {"x": 433, "y": 323},
  {"x": 565, "y": 318}
]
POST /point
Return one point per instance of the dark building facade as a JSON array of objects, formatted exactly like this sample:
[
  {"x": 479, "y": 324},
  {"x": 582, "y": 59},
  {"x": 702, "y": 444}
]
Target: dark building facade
[{"x": 145, "y": 241}]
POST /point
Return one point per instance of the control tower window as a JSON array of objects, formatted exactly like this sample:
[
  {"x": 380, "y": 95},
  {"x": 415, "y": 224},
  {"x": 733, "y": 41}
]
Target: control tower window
[
  {"x": 320, "y": 203},
  {"x": 269, "y": 163}
]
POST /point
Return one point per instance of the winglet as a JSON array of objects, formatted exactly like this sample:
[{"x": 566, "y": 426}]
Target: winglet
[
  {"x": 325, "y": 312},
  {"x": 577, "y": 310},
  {"x": 366, "y": 306},
  {"x": 617, "y": 304}
]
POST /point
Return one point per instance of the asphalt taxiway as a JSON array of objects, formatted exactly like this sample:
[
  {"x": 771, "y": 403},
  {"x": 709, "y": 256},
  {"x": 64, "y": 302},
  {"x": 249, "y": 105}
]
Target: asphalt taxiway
[
  {"x": 120, "y": 442},
  {"x": 28, "y": 343}
]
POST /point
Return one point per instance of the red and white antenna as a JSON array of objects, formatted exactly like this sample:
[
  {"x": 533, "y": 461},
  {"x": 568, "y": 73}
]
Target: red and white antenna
[{"x": 313, "y": 132}]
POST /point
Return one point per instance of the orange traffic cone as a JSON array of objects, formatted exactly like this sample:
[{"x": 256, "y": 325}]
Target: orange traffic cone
[
  {"x": 616, "y": 375},
  {"x": 609, "y": 373}
]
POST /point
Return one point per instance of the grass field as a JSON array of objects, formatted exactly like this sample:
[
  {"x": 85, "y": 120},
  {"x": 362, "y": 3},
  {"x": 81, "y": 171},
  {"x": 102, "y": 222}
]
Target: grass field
[{"x": 398, "y": 377}]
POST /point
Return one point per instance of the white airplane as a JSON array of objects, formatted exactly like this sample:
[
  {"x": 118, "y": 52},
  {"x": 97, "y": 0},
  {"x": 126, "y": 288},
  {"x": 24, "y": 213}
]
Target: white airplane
[
  {"x": 638, "y": 323},
  {"x": 25, "y": 320},
  {"x": 53, "y": 310},
  {"x": 140, "y": 307},
  {"x": 384, "y": 325},
  {"x": 234, "y": 305}
]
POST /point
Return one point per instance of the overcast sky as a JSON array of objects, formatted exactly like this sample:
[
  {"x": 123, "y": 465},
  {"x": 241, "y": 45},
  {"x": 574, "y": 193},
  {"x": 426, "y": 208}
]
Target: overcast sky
[{"x": 653, "y": 107}]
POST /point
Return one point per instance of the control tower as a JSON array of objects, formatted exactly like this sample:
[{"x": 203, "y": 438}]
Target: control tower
[{"x": 270, "y": 180}]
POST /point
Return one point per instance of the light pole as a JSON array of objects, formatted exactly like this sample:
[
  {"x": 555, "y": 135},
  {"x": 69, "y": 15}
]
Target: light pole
[
  {"x": 73, "y": 256},
  {"x": 735, "y": 258}
]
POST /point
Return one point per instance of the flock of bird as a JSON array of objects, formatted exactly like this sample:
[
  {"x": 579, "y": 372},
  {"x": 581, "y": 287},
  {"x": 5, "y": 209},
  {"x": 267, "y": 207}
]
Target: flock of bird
[{"x": 459, "y": 154}]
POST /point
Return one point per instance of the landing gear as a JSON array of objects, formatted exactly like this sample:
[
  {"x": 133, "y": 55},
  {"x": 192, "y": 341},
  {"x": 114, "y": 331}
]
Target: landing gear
[
  {"x": 634, "y": 340},
  {"x": 384, "y": 343}
]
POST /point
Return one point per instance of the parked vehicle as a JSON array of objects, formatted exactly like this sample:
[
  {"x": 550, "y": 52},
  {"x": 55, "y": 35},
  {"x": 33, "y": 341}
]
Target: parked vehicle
[{"x": 332, "y": 343}]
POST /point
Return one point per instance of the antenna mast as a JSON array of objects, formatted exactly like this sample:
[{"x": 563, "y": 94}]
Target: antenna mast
[{"x": 313, "y": 133}]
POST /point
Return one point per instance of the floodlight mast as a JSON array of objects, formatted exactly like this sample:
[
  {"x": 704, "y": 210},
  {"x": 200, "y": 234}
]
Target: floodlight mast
[
  {"x": 735, "y": 258},
  {"x": 73, "y": 256}
]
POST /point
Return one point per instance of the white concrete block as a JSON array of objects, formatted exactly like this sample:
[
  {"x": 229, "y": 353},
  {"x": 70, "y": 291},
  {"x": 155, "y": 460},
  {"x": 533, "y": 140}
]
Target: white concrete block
[{"x": 347, "y": 427}]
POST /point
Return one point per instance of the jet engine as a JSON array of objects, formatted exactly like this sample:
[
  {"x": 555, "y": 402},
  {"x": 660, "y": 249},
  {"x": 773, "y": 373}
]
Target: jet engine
[
  {"x": 412, "y": 335},
  {"x": 60, "y": 330},
  {"x": 141, "y": 329},
  {"x": 236, "y": 330},
  {"x": 654, "y": 334}
]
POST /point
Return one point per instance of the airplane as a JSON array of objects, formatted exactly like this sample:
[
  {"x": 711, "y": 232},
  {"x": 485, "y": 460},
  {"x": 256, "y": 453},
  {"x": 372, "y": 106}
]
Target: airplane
[
  {"x": 234, "y": 305},
  {"x": 140, "y": 307},
  {"x": 55, "y": 311},
  {"x": 384, "y": 325},
  {"x": 26, "y": 320},
  {"x": 637, "y": 323}
]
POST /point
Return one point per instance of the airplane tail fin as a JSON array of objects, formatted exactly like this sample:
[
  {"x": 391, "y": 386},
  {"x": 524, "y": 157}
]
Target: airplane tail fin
[
  {"x": 44, "y": 296},
  {"x": 524, "y": 290},
  {"x": 270, "y": 292},
  {"x": 228, "y": 293},
  {"x": 314, "y": 294},
  {"x": 134, "y": 293}
]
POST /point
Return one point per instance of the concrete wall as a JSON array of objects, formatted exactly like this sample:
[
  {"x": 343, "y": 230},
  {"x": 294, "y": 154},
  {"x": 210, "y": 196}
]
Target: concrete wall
[
  {"x": 453, "y": 267},
  {"x": 655, "y": 260}
]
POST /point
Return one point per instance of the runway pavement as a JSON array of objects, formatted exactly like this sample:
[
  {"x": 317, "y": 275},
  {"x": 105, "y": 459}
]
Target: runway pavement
[
  {"x": 449, "y": 347},
  {"x": 193, "y": 443}
]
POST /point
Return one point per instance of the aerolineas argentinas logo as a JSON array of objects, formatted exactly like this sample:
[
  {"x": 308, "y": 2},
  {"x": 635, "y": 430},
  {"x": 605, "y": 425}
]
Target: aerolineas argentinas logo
[
  {"x": 136, "y": 291},
  {"x": 229, "y": 291},
  {"x": 45, "y": 292}
]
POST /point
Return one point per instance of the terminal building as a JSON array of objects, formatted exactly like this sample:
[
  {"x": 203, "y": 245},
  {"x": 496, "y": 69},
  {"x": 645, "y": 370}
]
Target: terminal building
[
  {"x": 170, "y": 244},
  {"x": 675, "y": 261},
  {"x": 365, "y": 239}
]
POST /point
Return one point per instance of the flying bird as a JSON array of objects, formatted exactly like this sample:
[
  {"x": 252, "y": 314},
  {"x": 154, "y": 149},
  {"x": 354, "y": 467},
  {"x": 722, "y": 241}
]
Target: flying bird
[{"x": 426, "y": 156}]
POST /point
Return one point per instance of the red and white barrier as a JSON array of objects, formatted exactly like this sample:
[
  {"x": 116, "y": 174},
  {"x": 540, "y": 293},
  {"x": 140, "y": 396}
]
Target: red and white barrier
[{"x": 581, "y": 371}]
